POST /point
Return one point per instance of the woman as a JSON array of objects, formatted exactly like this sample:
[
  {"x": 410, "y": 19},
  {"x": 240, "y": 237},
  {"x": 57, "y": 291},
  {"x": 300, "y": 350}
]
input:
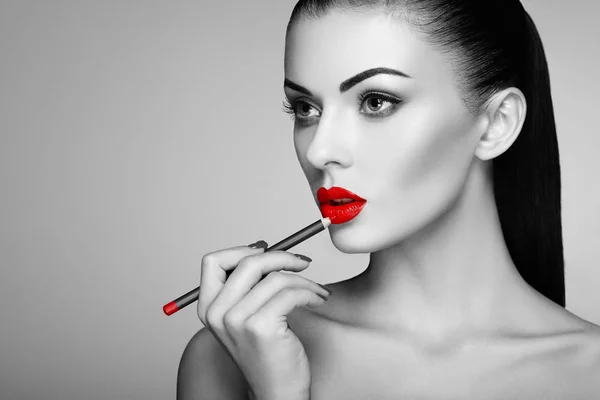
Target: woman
[{"x": 438, "y": 114}]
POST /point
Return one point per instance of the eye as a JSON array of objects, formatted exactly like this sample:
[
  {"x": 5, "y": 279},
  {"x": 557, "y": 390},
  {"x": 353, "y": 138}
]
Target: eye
[
  {"x": 304, "y": 109},
  {"x": 301, "y": 110},
  {"x": 375, "y": 104}
]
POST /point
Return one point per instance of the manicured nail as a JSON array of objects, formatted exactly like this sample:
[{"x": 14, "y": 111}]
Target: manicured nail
[
  {"x": 260, "y": 243},
  {"x": 323, "y": 297},
  {"x": 302, "y": 257},
  {"x": 325, "y": 287}
]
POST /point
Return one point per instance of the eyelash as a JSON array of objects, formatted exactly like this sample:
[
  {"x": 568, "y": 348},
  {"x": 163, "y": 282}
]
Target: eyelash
[
  {"x": 288, "y": 109},
  {"x": 291, "y": 109}
]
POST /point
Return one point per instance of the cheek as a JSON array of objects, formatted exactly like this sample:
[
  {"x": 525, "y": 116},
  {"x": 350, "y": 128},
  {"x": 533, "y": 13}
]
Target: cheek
[
  {"x": 426, "y": 149},
  {"x": 440, "y": 157},
  {"x": 425, "y": 168},
  {"x": 302, "y": 141}
]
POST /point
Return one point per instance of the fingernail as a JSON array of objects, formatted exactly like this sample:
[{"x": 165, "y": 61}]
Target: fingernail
[
  {"x": 323, "y": 297},
  {"x": 325, "y": 287},
  {"x": 260, "y": 243},
  {"x": 302, "y": 257}
]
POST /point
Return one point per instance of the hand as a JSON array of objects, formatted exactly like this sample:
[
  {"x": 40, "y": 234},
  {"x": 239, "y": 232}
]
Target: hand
[{"x": 248, "y": 316}]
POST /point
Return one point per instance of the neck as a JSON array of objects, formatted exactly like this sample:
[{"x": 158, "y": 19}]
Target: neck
[{"x": 450, "y": 279}]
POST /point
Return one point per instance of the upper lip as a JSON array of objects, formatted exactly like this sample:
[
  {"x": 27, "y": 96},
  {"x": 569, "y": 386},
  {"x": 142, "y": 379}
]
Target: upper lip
[{"x": 336, "y": 193}]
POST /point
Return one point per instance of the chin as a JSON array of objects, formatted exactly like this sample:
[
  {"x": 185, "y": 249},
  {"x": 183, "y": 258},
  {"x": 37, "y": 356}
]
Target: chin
[
  {"x": 352, "y": 238},
  {"x": 350, "y": 246},
  {"x": 371, "y": 234}
]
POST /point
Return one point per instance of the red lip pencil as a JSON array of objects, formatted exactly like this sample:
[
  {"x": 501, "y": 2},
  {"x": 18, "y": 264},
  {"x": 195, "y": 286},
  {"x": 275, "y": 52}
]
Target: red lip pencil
[{"x": 285, "y": 244}]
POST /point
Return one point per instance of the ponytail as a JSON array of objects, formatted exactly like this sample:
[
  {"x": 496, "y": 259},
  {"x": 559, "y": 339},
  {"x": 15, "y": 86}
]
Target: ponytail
[{"x": 527, "y": 184}]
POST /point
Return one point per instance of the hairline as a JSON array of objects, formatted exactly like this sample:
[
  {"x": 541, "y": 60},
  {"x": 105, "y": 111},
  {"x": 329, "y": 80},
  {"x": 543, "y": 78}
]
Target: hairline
[{"x": 403, "y": 13}]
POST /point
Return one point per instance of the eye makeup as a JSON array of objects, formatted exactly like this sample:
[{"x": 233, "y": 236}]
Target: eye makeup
[
  {"x": 292, "y": 110},
  {"x": 383, "y": 97},
  {"x": 364, "y": 101}
]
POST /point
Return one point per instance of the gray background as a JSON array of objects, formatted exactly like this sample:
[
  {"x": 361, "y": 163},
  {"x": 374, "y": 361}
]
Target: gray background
[{"x": 137, "y": 136}]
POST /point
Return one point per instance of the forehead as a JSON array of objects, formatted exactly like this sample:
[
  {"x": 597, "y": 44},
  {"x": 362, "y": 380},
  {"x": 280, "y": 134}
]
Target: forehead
[{"x": 331, "y": 48}]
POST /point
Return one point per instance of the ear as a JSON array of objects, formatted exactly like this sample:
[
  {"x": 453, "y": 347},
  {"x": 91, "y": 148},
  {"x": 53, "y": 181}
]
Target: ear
[{"x": 506, "y": 114}]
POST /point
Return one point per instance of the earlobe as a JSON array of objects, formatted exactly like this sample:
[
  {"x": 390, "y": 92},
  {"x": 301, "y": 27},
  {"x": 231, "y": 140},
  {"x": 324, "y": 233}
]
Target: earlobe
[{"x": 506, "y": 115}]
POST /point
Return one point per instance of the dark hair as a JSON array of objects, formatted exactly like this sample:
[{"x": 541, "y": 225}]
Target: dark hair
[{"x": 493, "y": 45}]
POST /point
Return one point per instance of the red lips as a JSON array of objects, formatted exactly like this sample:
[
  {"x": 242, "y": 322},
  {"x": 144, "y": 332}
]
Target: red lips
[
  {"x": 343, "y": 212},
  {"x": 336, "y": 193}
]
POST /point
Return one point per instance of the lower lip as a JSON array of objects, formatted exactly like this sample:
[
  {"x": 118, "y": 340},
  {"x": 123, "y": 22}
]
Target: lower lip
[{"x": 342, "y": 213}]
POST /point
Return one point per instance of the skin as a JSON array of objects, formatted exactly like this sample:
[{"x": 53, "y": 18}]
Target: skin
[
  {"x": 441, "y": 298},
  {"x": 440, "y": 311}
]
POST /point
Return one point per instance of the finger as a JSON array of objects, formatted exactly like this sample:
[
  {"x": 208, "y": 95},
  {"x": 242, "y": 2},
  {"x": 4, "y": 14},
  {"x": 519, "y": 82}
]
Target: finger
[
  {"x": 250, "y": 271},
  {"x": 213, "y": 273},
  {"x": 271, "y": 318},
  {"x": 267, "y": 288}
]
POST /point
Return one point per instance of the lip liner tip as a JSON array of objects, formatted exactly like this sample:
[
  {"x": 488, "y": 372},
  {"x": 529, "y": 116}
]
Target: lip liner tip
[{"x": 327, "y": 221}]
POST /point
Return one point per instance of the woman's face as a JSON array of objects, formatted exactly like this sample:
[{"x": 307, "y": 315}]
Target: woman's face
[{"x": 405, "y": 144}]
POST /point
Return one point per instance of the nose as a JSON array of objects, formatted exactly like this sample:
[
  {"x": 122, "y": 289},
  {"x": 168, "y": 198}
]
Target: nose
[{"x": 331, "y": 144}]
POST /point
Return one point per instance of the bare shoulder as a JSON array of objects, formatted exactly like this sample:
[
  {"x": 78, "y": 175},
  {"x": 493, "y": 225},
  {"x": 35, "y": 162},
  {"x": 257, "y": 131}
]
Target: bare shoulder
[
  {"x": 584, "y": 338},
  {"x": 207, "y": 372},
  {"x": 572, "y": 357},
  {"x": 585, "y": 361},
  {"x": 589, "y": 348}
]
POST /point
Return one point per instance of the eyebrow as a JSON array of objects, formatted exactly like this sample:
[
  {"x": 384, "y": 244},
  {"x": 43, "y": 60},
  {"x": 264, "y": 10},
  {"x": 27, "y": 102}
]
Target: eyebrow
[{"x": 350, "y": 82}]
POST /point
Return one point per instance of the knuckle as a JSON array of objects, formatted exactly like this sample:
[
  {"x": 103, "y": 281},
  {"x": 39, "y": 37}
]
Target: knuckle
[
  {"x": 208, "y": 259},
  {"x": 232, "y": 321},
  {"x": 256, "y": 326},
  {"x": 213, "y": 317},
  {"x": 275, "y": 278},
  {"x": 246, "y": 262},
  {"x": 201, "y": 314},
  {"x": 202, "y": 307}
]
